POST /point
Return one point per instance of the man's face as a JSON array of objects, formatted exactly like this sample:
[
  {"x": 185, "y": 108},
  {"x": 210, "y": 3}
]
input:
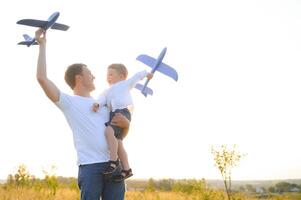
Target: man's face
[{"x": 87, "y": 79}]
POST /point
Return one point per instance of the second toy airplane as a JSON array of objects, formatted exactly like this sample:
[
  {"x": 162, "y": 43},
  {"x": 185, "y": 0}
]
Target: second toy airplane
[
  {"x": 49, "y": 23},
  {"x": 156, "y": 65}
]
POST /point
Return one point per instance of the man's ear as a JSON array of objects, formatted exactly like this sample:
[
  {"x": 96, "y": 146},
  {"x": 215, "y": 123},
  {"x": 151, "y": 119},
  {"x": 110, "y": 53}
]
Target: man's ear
[{"x": 78, "y": 78}]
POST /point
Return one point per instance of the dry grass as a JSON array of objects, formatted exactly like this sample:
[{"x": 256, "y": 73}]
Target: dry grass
[
  {"x": 72, "y": 194},
  {"x": 32, "y": 194},
  {"x": 165, "y": 196}
]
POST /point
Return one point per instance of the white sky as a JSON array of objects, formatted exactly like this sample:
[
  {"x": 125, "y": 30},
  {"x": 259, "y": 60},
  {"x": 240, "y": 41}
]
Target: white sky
[{"x": 239, "y": 83}]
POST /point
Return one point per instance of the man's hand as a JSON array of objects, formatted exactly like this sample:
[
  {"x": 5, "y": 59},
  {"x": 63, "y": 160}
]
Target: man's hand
[
  {"x": 121, "y": 121},
  {"x": 40, "y": 36}
]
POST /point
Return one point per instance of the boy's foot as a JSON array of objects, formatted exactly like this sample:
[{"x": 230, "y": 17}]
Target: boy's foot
[
  {"x": 124, "y": 175},
  {"x": 113, "y": 165}
]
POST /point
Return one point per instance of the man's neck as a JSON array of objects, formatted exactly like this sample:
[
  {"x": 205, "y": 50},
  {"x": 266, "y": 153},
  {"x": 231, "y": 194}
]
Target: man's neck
[{"x": 81, "y": 93}]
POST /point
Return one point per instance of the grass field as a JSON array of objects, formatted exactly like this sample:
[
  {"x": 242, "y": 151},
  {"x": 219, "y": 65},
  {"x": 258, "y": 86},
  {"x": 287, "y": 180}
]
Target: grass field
[{"x": 13, "y": 193}]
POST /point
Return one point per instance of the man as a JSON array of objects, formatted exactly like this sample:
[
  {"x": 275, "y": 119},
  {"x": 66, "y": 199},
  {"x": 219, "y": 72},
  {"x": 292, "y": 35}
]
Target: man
[{"x": 87, "y": 126}]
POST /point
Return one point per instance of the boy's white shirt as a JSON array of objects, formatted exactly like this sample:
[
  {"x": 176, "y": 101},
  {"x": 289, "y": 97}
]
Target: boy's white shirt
[{"x": 118, "y": 96}]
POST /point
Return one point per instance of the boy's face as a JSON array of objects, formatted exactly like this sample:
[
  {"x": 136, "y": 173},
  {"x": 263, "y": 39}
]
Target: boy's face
[{"x": 113, "y": 76}]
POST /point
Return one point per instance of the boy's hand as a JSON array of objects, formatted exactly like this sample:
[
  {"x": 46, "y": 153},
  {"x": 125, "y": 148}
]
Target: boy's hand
[
  {"x": 150, "y": 76},
  {"x": 95, "y": 107}
]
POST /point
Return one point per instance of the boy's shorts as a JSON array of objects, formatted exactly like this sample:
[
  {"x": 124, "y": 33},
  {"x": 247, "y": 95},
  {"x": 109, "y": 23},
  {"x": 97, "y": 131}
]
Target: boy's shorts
[{"x": 118, "y": 132}]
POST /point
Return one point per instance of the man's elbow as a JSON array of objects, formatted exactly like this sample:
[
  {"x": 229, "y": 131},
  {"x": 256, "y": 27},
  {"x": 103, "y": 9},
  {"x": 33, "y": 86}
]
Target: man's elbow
[{"x": 41, "y": 80}]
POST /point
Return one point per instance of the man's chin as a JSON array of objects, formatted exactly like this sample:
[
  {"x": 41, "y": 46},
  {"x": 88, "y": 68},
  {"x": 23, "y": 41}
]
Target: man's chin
[{"x": 92, "y": 88}]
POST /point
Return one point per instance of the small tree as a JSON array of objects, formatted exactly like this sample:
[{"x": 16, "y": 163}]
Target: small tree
[
  {"x": 10, "y": 180},
  {"x": 22, "y": 177},
  {"x": 250, "y": 188},
  {"x": 225, "y": 159},
  {"x": 151, "y": 186},
  {"x": 50, "y": 179}
]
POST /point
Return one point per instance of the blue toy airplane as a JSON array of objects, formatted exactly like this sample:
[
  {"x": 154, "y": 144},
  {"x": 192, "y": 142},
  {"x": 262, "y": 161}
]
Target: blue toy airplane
[
  {"x": 28, "y": 40},
  {"x": 156, "y": 65},
  {"x": 49, "y": 23}
]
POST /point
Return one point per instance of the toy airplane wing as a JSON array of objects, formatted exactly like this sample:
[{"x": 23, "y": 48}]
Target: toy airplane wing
[
  {"x": 145, "y": 90},
  {"x": 41, "y": 24},
  {"x": 27, "y": 37},
  {"x": 32, "y": 22},
  {"x": 163, "y": 68},
  {"x": 61, "y": 27},
  {"x": 28, "y": 41}
]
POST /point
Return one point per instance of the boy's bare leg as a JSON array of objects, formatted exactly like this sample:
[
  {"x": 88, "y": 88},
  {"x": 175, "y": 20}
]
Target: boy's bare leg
[
  {"x": 112, "y": 143},
  {"x": 127, "y": 171},
  {"x": 123, "y": 156}
]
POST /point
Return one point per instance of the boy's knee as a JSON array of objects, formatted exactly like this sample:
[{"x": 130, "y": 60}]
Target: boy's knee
[
  {"x": 120, "y": 143},
  {"x": 109, "y": 130}
]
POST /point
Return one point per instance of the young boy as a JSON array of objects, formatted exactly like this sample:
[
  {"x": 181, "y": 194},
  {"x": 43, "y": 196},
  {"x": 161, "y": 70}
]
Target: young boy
[{"x": 118, "y": 99}]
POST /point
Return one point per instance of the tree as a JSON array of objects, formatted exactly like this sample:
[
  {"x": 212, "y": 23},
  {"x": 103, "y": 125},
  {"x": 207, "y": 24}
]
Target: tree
[
  {"x": 22, "y": 177},
  {"x": 151, "y": 186},
  {"x": 10, "y": 180},
  {"x": 250, "y": 188},
  {"x": 272, "y": 189},
  {"x": 51, "y": 180},
  {"x": 225, "y": 159},
  {"x": 165, "y": 184},
  {"x": 283, "y": 187}
]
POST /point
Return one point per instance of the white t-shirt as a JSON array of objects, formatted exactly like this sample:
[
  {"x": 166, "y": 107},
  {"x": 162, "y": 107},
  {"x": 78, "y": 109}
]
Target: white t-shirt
[
  {"x": 87, "y": 128},
  {"x": 118, "y": 96}
]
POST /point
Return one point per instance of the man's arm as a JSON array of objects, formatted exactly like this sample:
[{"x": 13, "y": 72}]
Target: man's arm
[
  {"x": 47, "y": 85},
  {"x": 121, "y": 121}
]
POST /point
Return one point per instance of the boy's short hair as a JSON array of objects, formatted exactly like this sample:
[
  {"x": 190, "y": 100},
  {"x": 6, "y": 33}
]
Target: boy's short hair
[
  {"x": 120, "y": 68},
  {"x": 71, "y": 72}
]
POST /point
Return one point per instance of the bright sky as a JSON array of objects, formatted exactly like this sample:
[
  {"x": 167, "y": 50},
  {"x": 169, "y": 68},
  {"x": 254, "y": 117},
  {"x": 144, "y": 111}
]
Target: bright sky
[{"x": 239, "y": 83}]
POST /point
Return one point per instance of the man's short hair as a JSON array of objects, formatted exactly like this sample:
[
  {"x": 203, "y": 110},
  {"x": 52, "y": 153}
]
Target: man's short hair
[
  {"x": 71, "y": 72},
  {"x": 120, "y": 68}
]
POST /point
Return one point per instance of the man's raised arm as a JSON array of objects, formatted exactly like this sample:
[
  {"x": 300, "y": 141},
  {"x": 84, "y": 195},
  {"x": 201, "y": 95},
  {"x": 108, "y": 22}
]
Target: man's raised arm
[{"x": 47, "y": 85}]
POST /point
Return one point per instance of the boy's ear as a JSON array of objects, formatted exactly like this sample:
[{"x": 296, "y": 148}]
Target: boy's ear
[{"x": 122, "y": 76}]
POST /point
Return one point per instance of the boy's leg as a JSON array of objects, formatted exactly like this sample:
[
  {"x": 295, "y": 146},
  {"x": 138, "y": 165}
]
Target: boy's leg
[
  {"x": 112, "y": 142},
  {"x": 123, "y": 156},
  {"x": 113, "y": 148},
  {"x": 91, "y": 181},
  {"x": 127, "y": 171}
]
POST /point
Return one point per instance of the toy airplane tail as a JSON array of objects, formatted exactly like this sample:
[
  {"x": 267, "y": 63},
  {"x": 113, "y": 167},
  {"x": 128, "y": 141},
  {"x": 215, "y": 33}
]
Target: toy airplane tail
[
  {"x": 28, "y": 41},
  {"x": 144, "y": 90}
]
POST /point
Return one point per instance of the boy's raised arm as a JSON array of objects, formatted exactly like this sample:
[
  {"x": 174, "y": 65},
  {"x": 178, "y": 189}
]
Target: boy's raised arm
[
  {"x": 50, "y": 89},
  {"x": 137, "y": 77}
]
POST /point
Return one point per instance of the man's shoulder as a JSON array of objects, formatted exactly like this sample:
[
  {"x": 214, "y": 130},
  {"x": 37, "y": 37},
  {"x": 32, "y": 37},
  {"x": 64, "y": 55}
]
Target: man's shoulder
[
  {"x": 75, "y": 97},
  {"x": 69, "y": 99},
  {"x": 63, "y": 100},
  {"x": 63, "y": 96}
]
